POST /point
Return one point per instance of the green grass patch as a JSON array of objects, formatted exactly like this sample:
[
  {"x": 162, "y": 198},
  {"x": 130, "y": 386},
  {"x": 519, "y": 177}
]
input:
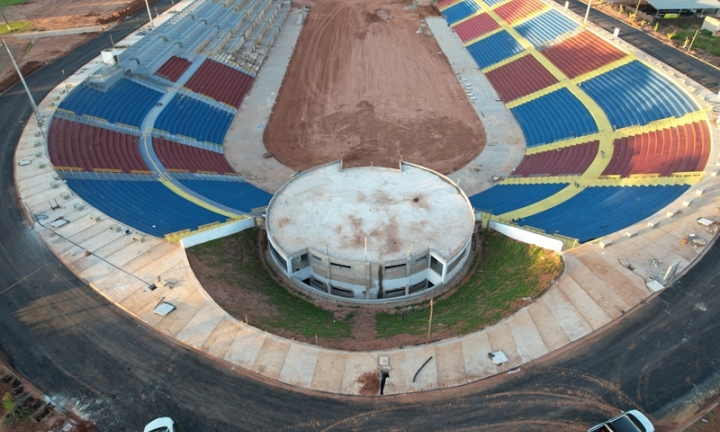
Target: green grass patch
[
  {"x": 294, "y": 314},
  {"x": 4, "y": 3},
  {"x": 501, "y": 276},
  {"x": 506, "y": 272},
  {"x": 15, "y": 26},
  {"x": 704, "y": 40}
]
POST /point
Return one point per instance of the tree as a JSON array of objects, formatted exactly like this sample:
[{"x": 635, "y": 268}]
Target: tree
[{"x": 8, "y": 403}]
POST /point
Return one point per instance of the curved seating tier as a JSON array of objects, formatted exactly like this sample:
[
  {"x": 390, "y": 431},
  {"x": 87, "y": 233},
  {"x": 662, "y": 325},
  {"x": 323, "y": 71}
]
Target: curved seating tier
[
  {"x": 175, "y": 156},
  {"x": 494, "y": 48},
  {"x": 173, "y": 68},
  {"x": 190, "y": 117},
  {"x": 520, "y": 78},
  {"x": 445, "y": 3},
  {"x": 142, "y": 202},
  {"x": 581, "y": 53},
  {"x": 564, "y": 161},
  {"x": 505, "y": 198},
  {"x": 553, "y": 117},
  {"x": 125, "y": 102},
  {"x": 238, "y": 195},
  {"x": 545, "y": 27},
  {"x": 475, "y": 27},
  {"x": 515, "y": 10},
  {"x": 599, "y": 211},
  {"x": 680, "y": 149},
  {"x": 624, "y": 90},
  {"x": 634, "y": 94},
  {"x": 460, "y": 11},
  {"x": 72, "y": 144},
  {"x": 220, "y": 82}
]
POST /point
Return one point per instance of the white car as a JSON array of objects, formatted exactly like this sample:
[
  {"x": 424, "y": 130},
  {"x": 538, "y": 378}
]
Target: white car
[
  {"x": 629, "y": 421},
  {"x": 162, "y": 424}
]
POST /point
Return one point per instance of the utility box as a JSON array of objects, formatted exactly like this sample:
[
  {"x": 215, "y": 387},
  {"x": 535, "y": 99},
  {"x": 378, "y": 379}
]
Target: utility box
[{"x": 109, "y": 56}]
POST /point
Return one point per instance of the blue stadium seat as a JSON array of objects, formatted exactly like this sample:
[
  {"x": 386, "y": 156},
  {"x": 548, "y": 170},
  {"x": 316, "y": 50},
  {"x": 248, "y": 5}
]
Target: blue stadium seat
[
  {"x": 494, "y": 48},
  {"x": 545, "y": 27},
  {"x": 505, "y": 198},
  {"x": 190, "y": 117},
  {"x": 237, "y": 195},
  {"x": 125, "y": 102},
  {"x": 634, "y": 94},
  {"x": 460, "y": 11},
  {"x": 599, "y": 211},
  {"x": 147, "y": 206},
  {"x": 556, "y": 116}
]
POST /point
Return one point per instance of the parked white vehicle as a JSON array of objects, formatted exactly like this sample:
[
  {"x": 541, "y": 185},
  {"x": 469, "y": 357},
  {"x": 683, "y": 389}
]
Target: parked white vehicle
[
  {"x": 629, "y": 421},
  {"x": 162, "y": 424}
]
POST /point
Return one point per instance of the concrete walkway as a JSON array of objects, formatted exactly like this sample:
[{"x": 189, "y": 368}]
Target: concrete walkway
[
  {"x": 597, "y": 287},
  {"x": 505, "y": 146}
]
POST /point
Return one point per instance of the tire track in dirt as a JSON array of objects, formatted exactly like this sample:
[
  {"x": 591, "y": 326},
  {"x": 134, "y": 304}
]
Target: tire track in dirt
[{"x": 364, "y": 87}]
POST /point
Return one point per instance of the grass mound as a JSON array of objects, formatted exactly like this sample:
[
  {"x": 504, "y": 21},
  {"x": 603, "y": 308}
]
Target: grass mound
[
  {"x": 506, "y": 272},
  {"x": 237, "y": 266}
]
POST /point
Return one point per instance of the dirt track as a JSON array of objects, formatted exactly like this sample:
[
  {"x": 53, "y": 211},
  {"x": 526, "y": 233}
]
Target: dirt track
[{"x": 365, "y": 87}]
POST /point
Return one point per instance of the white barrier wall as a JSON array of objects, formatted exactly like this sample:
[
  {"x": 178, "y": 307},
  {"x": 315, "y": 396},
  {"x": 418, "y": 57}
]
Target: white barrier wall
[
  {"x": 520, "y": 234},
  {"x": 216, "y": 233}
]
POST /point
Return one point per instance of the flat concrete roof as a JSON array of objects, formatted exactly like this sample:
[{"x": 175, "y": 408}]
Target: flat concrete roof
[{"x": 397, "y": 211}]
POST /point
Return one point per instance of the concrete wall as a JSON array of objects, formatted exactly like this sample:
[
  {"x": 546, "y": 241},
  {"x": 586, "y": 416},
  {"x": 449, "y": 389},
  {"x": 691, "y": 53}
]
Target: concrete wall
[
  {"x": 216, "y": 233},
  {"x": 520, "y": 234}
]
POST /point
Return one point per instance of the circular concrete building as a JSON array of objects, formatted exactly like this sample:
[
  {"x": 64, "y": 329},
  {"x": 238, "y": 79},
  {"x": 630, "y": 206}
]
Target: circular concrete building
[{"x": 370, "y": 234}]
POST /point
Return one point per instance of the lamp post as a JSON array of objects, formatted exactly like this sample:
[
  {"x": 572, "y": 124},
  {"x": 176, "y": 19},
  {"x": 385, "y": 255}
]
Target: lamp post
[
  {"x": 5, "y": 19},
  {"x": 32, "y": 101},
  {"x": 152, "y": 25},
  {"x": 587, "y": 12},
  {"x": 64, "y": 79}
]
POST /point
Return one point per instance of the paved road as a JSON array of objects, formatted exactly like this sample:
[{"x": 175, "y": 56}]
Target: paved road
[
  {"x": 705, "y": 74},
  {"x": 78, "y": 348}
]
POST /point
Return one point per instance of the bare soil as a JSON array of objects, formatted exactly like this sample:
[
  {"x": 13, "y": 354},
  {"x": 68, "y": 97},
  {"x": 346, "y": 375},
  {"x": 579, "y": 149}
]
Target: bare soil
[
  {"x": 369, "y": 383},
  {"x": 710, "y": 422},
  {"x": 32, "y": 54},
  {"x": 60, "y": 14},
  {"x": 365, "y": 87}
]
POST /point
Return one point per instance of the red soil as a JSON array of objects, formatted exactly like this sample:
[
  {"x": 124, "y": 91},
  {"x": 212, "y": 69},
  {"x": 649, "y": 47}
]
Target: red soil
[{"x": 364, "y": 86}]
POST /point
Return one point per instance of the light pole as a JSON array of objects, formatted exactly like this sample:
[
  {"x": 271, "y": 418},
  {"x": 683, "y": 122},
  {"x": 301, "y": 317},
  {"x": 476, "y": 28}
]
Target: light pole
[
  {"x": 637, "y": 7},
  {"x": 64, "y": 79},
  {"x": 32, "y": 101},
  {"x": 5, "y": 19},
  {"x": 152, "y": 25},
  {"x": 587, "y": 12}
]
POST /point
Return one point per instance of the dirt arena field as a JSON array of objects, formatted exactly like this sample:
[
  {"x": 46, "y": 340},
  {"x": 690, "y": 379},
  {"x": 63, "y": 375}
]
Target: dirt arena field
[{"x": 363, "y": 85}]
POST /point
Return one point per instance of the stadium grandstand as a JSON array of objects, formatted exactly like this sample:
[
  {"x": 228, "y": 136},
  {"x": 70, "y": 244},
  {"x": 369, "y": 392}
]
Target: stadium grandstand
[
  {"x": 610, "y": 141},
  {"x": 142, "y": 139}
]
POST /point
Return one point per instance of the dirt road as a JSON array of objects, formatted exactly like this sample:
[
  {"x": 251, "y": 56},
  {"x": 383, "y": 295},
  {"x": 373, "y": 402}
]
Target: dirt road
[{"x": 365, "y": 86}]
